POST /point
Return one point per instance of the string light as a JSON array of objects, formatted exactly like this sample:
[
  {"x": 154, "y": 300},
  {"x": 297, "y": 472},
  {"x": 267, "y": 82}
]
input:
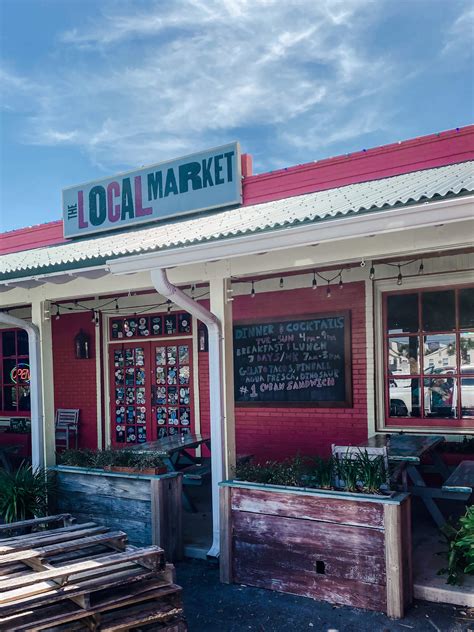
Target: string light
[
  {"x": 281, "y": 282},
  {"x": 116, "y": 305},
  {"x": 168, "y": 309},
  {"x": 252, "y": 292},
  {"x": 314, "y": 283},
  {"x": 399, "y": 277},
  {"x": 421, "y": 269},
  {"x": 193, "y": 289},
  {"x": 372, "y": 272},
  {"x": 58, "y": 315},
  {"x": 328, "y": 290},
  {"x": 93, "y": 316},
  {"x": 341, "y": 285}
]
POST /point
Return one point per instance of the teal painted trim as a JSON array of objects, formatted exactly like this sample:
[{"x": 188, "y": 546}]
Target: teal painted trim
[
  {"x": 396, "y": 499},
  {"x": 89, "y": 471}
]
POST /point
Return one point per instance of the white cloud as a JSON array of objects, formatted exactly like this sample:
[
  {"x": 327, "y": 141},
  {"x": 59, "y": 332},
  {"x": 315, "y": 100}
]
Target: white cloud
[
  {"x": 459, "y": 36},
  {"x": 142, "y": 86}
]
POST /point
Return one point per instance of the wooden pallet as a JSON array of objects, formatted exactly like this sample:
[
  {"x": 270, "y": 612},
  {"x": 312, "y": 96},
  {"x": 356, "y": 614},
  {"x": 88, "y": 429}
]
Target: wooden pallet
[{"x": 57, "y": 575}]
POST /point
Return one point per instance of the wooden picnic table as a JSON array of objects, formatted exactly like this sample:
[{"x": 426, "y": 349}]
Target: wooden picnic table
[
  {"x": 405, "y": 451},
  {"x": 174, "y": 452},
  {"x": 462, "y": 479}
]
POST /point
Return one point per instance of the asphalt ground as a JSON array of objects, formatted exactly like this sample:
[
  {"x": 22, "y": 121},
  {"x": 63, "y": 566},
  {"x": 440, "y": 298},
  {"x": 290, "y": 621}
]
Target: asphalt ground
[{"x": 214, "y": 607}]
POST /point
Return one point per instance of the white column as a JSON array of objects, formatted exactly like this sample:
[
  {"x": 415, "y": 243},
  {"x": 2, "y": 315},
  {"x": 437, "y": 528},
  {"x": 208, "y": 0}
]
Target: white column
[
  {"x": 221, "y": 306},
  {"x": 46, "y": 355}
]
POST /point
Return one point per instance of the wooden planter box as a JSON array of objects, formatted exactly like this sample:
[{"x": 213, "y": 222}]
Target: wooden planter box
[
  {"x": 147, "y": 507},
  {"x": 350, "y": 549}
]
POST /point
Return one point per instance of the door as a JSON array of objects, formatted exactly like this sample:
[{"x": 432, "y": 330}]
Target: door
[{"x": 151, "y": 390}]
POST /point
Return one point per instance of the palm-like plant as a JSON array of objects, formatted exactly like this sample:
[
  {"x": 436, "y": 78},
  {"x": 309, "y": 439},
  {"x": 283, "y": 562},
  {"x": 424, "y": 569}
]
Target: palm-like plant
[{"x": 24, "y": 493}]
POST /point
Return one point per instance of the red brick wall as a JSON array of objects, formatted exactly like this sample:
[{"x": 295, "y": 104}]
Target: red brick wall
[
  {"x": 75, "y": 380},
  {"x": 281, "y": 432}
]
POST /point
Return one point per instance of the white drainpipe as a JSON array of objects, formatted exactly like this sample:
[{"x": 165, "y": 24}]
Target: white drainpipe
[
  {"x": 165, "y": 288},
  {"x": 36, "y": 402}
]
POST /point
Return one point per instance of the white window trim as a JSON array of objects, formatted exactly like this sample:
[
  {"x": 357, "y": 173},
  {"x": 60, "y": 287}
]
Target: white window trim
[{"x": 450, "y": 279}]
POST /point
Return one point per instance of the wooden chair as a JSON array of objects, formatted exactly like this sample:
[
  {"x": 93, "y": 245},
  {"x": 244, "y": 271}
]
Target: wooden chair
[
  {"x": 341, "y": 451},
  {"x": 66, "y": 425}
]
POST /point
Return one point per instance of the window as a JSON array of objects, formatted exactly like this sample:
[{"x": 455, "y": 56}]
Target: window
[
  {"x": 429, "y": 357},
  {"x": 14, "y": 372}
]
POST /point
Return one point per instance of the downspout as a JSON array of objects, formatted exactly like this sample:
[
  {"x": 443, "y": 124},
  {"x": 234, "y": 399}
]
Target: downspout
[
  {"x": 36, "y": 402},
  {"x": 168, "y": 290}
]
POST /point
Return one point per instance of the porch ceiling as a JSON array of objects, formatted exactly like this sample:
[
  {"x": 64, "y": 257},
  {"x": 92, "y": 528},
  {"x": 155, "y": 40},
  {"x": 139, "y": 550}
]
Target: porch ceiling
[{"x": 428, "y": 185}]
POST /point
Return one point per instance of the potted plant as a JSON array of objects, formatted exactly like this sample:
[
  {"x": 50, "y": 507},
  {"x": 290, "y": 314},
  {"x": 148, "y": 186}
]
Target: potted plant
[{"x": 24, "y": 493}]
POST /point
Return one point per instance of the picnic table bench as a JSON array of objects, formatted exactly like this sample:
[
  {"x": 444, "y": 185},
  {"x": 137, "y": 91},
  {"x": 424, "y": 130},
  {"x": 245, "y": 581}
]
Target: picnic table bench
[{"x": 461, "y": 480}]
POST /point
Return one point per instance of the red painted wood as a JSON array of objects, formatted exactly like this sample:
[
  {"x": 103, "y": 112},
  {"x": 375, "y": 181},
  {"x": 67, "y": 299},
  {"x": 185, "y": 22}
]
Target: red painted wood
[
  {"x": 425, "y": 152},
  {"x": 263, "y": 567},
  {"x": 32, "y": 237},
  {"x": 308, "y": 507},
  {"x": 282, "y": 554},
  {"x": 273, "y": 530}
]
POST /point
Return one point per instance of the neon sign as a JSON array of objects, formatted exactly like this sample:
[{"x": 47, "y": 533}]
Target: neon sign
[{"x": 20, "y": 374}]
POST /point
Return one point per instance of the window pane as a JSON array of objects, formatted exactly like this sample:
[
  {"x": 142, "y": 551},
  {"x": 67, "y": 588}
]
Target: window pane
[
  {"x": 467, "y": 396},
  {"x": 9, "y": 398},
  {"x": 467, "y": 352},
  {"x": 438, "y": 310},
  {"x": 403, "y": 355},
  {"x": 404, "y": 396},
  {"x": 439, "y": 353},
  {"x": 8, "y": 340},
  {"x": 402, "y": 313},
  {"x": 440, "y": 397},
  {"x": 22, "y": 340},
  {"x": 466, "y": 307},
  {"x": 24, "y": 397},
  {"x": 9, "y": 374}
]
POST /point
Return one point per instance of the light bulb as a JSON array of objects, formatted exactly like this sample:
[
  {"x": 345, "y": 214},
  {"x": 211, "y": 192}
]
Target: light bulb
[{"x": 372, "y": 273}]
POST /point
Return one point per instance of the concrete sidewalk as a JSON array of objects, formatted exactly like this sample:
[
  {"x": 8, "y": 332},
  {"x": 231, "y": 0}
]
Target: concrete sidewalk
[{"x": 214, "y": 607}]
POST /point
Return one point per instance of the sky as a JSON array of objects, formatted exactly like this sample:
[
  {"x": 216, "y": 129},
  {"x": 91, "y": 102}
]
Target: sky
[{"x": 89, "y": 88}]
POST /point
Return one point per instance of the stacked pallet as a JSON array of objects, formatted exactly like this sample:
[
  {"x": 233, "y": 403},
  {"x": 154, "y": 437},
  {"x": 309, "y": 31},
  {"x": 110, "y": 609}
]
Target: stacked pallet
[{"x": 57, "y": 575}]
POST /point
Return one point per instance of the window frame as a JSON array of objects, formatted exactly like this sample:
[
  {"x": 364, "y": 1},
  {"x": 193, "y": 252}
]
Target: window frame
[
  {"x": 381, "y": 289},
  {"x": 16, "y": 412}
]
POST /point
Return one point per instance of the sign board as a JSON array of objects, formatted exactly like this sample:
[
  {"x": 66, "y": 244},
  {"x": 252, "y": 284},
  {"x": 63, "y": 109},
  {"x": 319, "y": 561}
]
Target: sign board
[
  {"x": 305, "y": 361},
  {"x": 206, "y": 180}
]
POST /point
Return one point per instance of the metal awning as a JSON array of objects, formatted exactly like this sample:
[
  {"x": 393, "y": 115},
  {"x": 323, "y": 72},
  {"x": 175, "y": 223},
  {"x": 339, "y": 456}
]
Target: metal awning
[{"x": 370, "y": 197}]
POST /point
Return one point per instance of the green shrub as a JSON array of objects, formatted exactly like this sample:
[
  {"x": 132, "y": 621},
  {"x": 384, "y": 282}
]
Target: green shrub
[
  {"x": 352, "y": 472},
  {"x": 288, "y": 472},
  {"x": 460, "y": 553},
  {"x": 104, "y": 458},
  {"x": 24, "y": 493}
]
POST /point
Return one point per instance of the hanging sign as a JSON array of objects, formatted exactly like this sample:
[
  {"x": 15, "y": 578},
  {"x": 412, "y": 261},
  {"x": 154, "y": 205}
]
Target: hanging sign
[
  {"x": 206, "y": 180},
  {"x": 305, "y": 361}
]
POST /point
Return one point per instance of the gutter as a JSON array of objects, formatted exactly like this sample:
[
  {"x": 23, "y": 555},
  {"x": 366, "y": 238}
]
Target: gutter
[
  {"x": 36, "y": 402},
  {"x": 164, "y": 287}
]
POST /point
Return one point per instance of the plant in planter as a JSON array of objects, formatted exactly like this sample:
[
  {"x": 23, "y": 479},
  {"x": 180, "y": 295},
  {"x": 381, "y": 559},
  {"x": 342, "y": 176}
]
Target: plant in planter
[
  {"x": 115, "y": 460},
  {"x": 78, "y": 458},
  {"x": 24, "y": 493},
  {"x": 131, "y": 461},
  {"x": 356, "y": 472},
  {"x": 460, "y": 553},
  {"x": 289, "y": 472}
]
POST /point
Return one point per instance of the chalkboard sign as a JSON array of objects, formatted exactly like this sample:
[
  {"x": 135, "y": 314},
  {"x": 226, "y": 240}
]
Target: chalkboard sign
[{"x": 305, "y": 361}]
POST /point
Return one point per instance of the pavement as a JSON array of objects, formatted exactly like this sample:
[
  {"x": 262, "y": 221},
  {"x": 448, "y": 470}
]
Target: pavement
[{"x": 214, "y": 607}]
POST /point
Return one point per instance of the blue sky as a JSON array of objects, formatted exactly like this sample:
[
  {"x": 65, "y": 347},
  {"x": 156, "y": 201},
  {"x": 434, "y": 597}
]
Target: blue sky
[{"x": 89, "y": 88}]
